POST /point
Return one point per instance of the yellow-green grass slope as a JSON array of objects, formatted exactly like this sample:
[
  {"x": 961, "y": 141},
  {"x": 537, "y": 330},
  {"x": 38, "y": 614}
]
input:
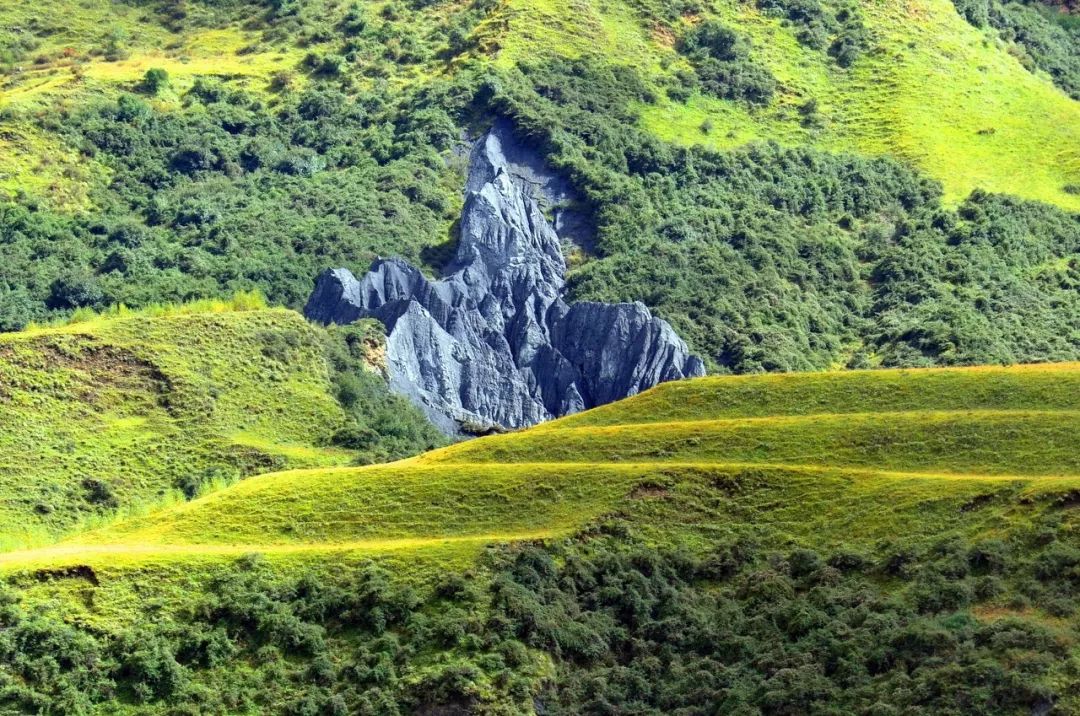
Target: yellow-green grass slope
[
  {"x": 933, "y": 90},
  {"x": 115, "y": 412},
  {"x": 71, "y": 68},
  {"x": 820, "y": 460}
]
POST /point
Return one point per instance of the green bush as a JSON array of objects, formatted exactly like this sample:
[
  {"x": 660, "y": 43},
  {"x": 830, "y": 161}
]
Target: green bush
[
  {"x": 722, "y": 61},
  {"x": 626, "y": 628},
  {"x": 382, "y": 426},
  {"x": 155, "y": 80}
]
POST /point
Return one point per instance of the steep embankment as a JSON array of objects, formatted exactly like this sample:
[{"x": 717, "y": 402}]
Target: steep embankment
[
  {"x": 819, "y": 459},
  {"x": 124, "y": 410}
]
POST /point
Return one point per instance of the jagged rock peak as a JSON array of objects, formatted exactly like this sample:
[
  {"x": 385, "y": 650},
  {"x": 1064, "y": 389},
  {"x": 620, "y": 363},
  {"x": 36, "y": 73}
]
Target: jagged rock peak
[{"x": 493, "y": 343}]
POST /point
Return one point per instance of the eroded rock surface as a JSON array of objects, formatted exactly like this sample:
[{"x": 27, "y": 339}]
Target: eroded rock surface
[{"x": 493, "y": 344}]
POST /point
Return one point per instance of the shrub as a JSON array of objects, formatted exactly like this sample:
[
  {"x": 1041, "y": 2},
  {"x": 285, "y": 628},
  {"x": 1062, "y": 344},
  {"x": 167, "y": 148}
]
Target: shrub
[
  {"x": 721, "y": 58},
  {"x": 155, "y": 80}
]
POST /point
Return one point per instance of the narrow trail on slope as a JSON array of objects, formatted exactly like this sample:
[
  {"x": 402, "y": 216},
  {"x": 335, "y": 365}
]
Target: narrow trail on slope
[
  {"x": 847, "y": 470},
  {"x": 802, "y": 418},
  {"x": 49, "y": 556},
  {"x": 71, "y": 552}
]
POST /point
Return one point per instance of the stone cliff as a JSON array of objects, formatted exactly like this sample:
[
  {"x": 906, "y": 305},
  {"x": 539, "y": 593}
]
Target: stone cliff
[{"x": 493, "y": 344}]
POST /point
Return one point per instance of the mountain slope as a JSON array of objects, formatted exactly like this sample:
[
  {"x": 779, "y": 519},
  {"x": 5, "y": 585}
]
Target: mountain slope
[
  {"x": 917, "y": 518},
  {"x": 835, "y": 247},
  {"x": 844, "y": 445},
  {"x": 118, "y": 411},
  {"x": 891, "y": 509},
  {"x": 928, "y": 88}
]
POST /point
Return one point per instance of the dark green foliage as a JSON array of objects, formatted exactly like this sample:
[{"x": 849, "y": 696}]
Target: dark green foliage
[
  {"x": 841, "y": 31},
  {"x": 230, "y": 196},
  {"x": 747, "y": 631},
  {"x": 722, "y": 61},
  {"x": 764, "y": 258},
  {"x": 75, "y": 290},
  {"x": 193, "y": 483},
  {"x": 99, "y": 493},
  {"x": 977, "y": 12},
  {"x": 629, "y": 628},
  {"x": 155, "y": 80},
  {"x": 785, "y": 259},
  {"x": 15, "y": 45},
  {"x": 996, "y": 283},
  {"x": 317, "y": 645},
  {"x": 16, "y": 309},
  {"x": 382, "y": 426},
  {"x": 1050, "y": 39}
]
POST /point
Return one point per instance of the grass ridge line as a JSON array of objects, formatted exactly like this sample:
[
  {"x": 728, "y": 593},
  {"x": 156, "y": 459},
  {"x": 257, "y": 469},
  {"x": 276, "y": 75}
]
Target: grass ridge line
[
  {"x": 807, "y": 417},
  {"x": 85, "y": 551}
]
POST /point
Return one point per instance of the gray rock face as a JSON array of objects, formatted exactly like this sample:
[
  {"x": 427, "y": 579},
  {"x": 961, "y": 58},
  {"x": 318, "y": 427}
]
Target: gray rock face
[
  {"x": 493, "y": 343},
  {"x": 550, "y": 190}
]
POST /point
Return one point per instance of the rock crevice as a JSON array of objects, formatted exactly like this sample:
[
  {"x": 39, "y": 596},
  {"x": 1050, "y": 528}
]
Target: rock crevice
[{"x": 493, "y": 344}]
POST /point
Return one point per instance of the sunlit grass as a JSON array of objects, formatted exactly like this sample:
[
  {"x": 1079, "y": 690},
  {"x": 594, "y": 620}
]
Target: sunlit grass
[
  {"x": 108, "y": 412},
  {"x": 934, "y": 91},
  {"x": 787, "y": 456}
]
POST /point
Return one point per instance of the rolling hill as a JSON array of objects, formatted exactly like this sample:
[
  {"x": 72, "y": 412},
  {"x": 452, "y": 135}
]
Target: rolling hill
[
  {"x": 863, "y": 215},
  {"x": 872, "y": 464},
  {"x": 116, "y": 413},
  {"x": 840, "y": 443}
]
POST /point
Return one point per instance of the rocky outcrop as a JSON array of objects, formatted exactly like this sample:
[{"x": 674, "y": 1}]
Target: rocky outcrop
[
  {"x": 551, "y": 191},
  {"x": 493, "y": 344}
]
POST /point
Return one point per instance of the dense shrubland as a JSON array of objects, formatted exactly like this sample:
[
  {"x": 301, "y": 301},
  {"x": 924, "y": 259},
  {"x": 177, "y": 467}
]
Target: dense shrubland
[
  {"x": 380, "y": 426},
  {"x": 723, "y": 67},
  {"x": 838, "y": 30},
  {"x": 780, "y": 259},
  {"x": 951, "y": 626},
  {"x": 1044, "y": 38},
  {"x": 764, "y": 257},
  {"x": 231, "y": 195}
]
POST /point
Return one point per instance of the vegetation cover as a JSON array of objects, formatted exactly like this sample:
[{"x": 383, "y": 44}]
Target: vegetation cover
[
  {"x": 792, "y": 184},
  {"x": 189, "y": 520},
  {"x": 120, "y": 412},
  {"x": 704, "y": 545}
]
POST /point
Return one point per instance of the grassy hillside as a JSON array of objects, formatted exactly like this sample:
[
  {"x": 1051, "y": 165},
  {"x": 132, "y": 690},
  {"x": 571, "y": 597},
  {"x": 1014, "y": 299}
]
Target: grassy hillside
[
  {"x": 121, "y": 410},
  {"x": 877, "y": 469},
  {"x": 795, "y": 185},
  {"x": 932, "y": 90},
  {"x": 991, "y": 124},
  {"x": 885, "y": 438}
]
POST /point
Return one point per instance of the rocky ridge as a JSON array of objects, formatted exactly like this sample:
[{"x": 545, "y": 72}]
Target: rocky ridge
[{"x": 493, "y": 344}]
